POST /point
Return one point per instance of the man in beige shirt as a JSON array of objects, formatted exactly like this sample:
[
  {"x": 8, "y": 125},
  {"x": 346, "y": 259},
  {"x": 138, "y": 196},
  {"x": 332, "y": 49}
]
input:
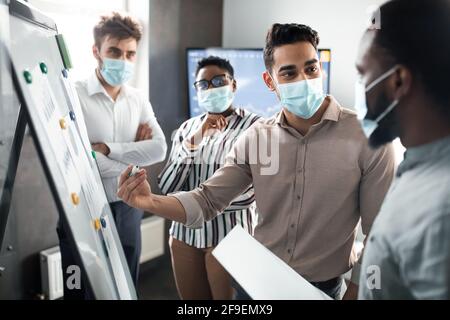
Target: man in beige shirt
[{"x": 313, "y": 187}]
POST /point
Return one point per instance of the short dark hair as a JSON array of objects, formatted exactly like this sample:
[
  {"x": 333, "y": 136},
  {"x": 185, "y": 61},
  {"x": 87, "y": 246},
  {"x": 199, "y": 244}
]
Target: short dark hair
[
  {"x": 288, "y": 33},
  {"x": 118, "y": 26},
  {"x": 416, "y": 34},
  {"x": 215, "y": 61}
]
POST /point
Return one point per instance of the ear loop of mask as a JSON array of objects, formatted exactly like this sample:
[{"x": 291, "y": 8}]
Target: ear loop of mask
[
  {"x": 385, "y": 112},
  {"x": 377, "y": 81},
  {"x": 275, "y": 83},
  {"x": 381, "y": 78}
]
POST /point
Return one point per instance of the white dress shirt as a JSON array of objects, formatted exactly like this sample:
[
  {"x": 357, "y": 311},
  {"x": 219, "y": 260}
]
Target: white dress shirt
[{"x": 115, "y": 123}]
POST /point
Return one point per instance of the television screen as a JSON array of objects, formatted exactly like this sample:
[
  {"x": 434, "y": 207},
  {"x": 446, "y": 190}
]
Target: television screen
[{"x": 252, "y": 93}]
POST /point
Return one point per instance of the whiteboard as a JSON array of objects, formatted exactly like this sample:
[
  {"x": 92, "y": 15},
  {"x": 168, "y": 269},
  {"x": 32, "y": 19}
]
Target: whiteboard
[{"x": 61, "y": 138}]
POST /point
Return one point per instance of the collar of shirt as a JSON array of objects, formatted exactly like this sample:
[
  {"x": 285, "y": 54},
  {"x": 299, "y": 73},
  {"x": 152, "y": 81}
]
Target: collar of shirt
[
  {"x": 424, "y": 153},
  {"x": 331, "y": 114},
  {"x": 94, "y": 86}
]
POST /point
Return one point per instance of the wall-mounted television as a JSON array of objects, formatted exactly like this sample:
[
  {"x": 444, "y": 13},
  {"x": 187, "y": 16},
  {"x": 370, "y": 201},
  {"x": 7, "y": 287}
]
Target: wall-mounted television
[{"x": 248, "y": 65}]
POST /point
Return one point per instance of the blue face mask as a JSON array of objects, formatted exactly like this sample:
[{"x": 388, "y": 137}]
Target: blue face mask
[
  {"x": 116, "y": 72},
  {"x": 302, "y": 98},
  {"x": 369, "y": 125},
  {"x": 215, "y": 100}
]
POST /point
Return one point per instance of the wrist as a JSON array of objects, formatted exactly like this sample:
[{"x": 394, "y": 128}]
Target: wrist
[
  {"x": 200, "y": 134},
  {"x": 194, "y": 141},
  {"x": 150, "y": 204},
  {"x": 107, "y": 150}
]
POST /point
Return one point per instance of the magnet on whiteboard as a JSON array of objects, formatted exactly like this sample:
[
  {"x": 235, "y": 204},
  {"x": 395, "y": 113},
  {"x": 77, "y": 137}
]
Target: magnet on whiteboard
[
  {"x": 75, "y": 198},
  {"x": 62, "y": 123},
  {"x": 43, "y": 67},
  {"x": 72, "y": 115},
  {"x": 97, "y": 224},
  {"x": 27, "y": 76},
  {"x": 103, "y": 222}
]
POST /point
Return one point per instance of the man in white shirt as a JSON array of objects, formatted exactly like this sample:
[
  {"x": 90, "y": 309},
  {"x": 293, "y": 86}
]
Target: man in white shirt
[{"x": 120, "y": 122}]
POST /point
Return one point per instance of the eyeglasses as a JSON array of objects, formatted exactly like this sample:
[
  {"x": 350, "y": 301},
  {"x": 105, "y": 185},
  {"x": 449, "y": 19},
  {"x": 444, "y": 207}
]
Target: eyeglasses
[{"x": 217, "y": 81}]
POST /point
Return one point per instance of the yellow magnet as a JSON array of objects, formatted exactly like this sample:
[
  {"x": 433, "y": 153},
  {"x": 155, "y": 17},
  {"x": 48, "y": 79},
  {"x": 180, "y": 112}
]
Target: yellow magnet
[
  {"x": 62, "y": 123},
  {"x": 75, "y": 198},
  {"x": 97, "y": 224}
]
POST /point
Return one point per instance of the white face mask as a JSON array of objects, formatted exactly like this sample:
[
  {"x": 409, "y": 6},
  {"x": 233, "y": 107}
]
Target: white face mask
[
  {"x": 303, "y": 98},
  {"x": 216, "y": 100},
  {"x": 369, "y": 125},
  {"x": 116, "y": 72}
]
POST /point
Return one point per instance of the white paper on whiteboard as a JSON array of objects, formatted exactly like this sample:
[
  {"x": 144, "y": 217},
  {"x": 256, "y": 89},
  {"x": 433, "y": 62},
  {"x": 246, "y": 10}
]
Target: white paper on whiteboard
[
  {"x": 49, "y": 115},
  {"x": 261, "y": 273},
  {"x": 91, "y": 190},
  {"x": 74, "y": 105}
]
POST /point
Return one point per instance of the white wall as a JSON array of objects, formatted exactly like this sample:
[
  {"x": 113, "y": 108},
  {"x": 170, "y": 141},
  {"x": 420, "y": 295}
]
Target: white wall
[{"x": 340, "y": 25}]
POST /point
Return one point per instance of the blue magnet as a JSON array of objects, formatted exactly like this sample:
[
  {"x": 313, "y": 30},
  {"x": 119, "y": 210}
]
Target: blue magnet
[
  {"x": 72, "y": 115},
  {"x": 64, "y": 73},
  {"x": 103, "y": 222}
]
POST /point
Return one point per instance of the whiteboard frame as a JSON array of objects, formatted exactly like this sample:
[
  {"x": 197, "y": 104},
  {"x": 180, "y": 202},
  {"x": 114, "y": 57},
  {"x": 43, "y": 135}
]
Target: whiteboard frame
[{"x": 101, "y": 282}]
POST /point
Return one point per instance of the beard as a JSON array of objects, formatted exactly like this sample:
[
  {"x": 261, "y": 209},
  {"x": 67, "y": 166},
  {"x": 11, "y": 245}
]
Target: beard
[
  {"x": 382, "y": 136},
  {"x": 387, "y": 130}
]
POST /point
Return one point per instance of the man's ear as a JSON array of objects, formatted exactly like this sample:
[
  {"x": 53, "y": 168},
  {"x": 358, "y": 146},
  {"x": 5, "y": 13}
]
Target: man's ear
[
  {"x": 234, "y": 85},
  {"x": 402, "y": 82},
  {"x": 96, "y": 52},
  {"x": 268, "y": 81}
]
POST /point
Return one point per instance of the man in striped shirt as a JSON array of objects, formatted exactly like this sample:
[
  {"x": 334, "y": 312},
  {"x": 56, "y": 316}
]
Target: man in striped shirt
[{"x": 198, "y": 150}]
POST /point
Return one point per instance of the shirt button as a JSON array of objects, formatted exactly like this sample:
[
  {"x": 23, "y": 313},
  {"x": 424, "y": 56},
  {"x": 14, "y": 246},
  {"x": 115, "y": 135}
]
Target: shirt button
[
  {"x": 298, "y": 197},
  {"x": 289, "y": 250},
  {"x": 292, "y": 225}
]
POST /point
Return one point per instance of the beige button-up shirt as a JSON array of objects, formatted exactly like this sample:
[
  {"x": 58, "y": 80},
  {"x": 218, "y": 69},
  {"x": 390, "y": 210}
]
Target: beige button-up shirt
[{"x": 310, "y": 193}]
